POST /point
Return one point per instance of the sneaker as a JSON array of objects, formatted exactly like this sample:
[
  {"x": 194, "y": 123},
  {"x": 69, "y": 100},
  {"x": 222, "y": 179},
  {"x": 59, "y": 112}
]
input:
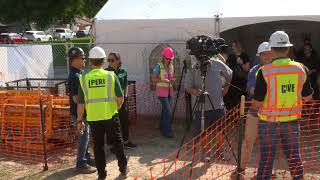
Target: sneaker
[
  {"x": 129, "y": 145},
  {"x": 235, "y": 173},
  {"x": 86, "y": 170},
  {"x": 101, "y": 178},
  {"x": 91, "y": 162},
  {"x": 102, "y": 175},
  {"x": 206, "y": 159},
  {"x": 169, "y": 136}
]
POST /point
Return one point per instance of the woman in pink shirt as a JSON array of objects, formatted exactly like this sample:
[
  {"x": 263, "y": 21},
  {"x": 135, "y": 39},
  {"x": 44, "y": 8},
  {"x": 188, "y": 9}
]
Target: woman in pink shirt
[{"x": 163, "y": 77}]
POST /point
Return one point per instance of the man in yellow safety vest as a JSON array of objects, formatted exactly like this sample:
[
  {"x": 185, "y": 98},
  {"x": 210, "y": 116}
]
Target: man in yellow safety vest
[
  {"x": 101, "y": 95},
  {"x": 280, "y": 88}
]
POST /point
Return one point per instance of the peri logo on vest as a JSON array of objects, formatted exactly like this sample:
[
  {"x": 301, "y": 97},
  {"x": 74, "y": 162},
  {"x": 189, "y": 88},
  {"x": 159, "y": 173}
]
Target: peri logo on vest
[
  {"x": 95, "y": 83},
  {"x": 286, "y": 88}
]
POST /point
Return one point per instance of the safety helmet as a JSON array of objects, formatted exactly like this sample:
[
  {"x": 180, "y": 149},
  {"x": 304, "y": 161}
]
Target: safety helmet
[
  {"x": 263, "y": 47},
  {"x": 279, "y": 39},
  {"x": 168, "y": 53},
  {"x": 75, "y": 52},
  {"x": 97, "y": 53}
]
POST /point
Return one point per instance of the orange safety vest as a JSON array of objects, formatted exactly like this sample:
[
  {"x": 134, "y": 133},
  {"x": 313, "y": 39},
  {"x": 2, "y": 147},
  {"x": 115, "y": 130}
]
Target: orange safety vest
[{"x": 283, "y": 102}]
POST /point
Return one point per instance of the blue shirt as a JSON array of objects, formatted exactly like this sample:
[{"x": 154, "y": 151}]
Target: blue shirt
[
  {"x": 73, "y": 81},
  {"x": 251, "y": 83}
]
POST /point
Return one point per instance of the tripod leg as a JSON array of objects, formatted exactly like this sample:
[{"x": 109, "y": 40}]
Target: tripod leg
[
  {"x": 178, "y": 94},
  {"x": 197, "y": 107}
]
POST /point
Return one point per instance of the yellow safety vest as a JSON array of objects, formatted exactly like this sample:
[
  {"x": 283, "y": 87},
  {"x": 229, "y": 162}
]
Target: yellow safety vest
[
  {"x": 162, "y": 76},
  {"x": 283, "y": 101},
  {"x": 98, "y": 86}
]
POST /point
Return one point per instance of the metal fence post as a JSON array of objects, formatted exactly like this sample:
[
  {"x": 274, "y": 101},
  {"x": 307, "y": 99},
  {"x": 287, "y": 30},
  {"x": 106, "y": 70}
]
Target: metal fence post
[
  {"x": 42, "y": 125},
  {"x": 242, "y": 118}
]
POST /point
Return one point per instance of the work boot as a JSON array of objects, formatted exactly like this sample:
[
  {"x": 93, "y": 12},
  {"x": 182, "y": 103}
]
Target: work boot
[
  {"x": 124, "y": 174},
  {"x": 102, "y": 175},
  {"x": 86, "y": 170}
]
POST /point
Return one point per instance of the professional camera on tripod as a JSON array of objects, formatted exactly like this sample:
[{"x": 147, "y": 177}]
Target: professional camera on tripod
[
  {"x": 203, "y": 48},
  {"x": 206, "y": 50}
]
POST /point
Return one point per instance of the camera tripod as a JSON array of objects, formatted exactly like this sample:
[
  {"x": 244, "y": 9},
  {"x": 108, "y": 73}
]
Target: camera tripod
[{"x": 199, "y": 106}]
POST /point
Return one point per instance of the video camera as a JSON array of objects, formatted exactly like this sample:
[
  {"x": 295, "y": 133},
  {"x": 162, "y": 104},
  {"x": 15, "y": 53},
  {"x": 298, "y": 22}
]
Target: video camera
[{"x": 203, "y": 48}]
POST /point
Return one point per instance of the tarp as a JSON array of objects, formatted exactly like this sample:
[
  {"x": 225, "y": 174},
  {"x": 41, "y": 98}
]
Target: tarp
[{"x": 25, "y": 61}]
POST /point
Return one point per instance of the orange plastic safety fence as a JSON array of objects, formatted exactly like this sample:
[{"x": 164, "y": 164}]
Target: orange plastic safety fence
[{"x": 294, "y": 147}]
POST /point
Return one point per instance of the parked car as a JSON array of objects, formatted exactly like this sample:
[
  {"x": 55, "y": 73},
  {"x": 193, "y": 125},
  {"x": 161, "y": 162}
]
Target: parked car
[
  {"x": 63, "y": 33},
  {"x": 82, "y": 33},
  {"x": 9, "y": 38},
  {"x": 38, "y": 36}
]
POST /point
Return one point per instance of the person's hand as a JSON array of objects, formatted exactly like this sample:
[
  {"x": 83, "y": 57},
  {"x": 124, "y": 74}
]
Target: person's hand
[
  {"x": 81, "y": 127},
  {"x": 196, "y": 92},
  {"x": 311, "y": 71},
  {"x": 224, "y": 91},
  {"x": 166, "y": 81}
]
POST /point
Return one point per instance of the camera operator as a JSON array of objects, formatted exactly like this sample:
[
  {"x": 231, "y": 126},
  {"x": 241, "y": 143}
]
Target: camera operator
[{"x": 214, "y": 86}]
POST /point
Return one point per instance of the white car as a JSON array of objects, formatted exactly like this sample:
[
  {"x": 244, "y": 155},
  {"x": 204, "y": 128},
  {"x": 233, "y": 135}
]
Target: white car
[
  {"x": 38, "y": 36},
  {"x": 63, "y": 33}
]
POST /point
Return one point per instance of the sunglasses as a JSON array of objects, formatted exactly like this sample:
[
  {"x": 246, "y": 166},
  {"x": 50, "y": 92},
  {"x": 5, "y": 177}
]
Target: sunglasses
[{"x": 111, "y": 60}]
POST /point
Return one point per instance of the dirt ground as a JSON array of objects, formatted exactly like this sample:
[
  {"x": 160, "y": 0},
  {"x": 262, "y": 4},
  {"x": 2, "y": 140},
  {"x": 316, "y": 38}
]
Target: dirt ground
[{"x": 152, "y": 148}]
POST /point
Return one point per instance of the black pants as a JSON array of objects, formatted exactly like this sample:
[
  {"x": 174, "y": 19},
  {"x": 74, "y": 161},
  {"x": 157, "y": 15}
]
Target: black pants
[
  {"x": 124, "y": 122},
  {"x": 112, "y": 129},
  {"x": 123, "y": 114}
]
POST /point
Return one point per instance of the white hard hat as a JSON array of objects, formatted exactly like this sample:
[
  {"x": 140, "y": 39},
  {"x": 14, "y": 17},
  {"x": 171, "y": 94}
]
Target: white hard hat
[
  {"x": 263, "y": 47},
  {"x": 279, "y": 39},
  {"x": 97, "y": 53}
]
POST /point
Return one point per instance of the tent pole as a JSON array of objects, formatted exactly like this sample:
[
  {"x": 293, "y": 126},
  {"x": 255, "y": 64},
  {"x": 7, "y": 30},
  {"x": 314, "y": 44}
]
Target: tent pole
[
  {"x": 217, "y": 25},
  {"x": 94, "y": 34}
]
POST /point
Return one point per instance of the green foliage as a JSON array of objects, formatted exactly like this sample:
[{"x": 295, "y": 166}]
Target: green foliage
[{"x": 46, "y": 12}]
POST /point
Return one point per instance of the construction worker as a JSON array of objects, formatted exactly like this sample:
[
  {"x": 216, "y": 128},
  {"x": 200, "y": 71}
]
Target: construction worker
[
  {"x": 279, "y": 90},
  {"x": 101, "y": 95},
  {"x": 163, "y": 77},
  {"x": 251, "y": 124},
  {"x": 76, "y": 59}
]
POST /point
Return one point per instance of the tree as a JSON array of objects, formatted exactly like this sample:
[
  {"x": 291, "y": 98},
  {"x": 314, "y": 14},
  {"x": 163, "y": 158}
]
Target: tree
[
  {"x": 46, "y": 12},
  {"x": 93, "y": 7}
]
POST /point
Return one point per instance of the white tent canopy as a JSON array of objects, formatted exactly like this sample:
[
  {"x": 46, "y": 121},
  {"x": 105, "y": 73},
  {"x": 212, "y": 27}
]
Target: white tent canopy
[
  {"x": 134, "y": 28},
  {"x": 231, "y": 13}
]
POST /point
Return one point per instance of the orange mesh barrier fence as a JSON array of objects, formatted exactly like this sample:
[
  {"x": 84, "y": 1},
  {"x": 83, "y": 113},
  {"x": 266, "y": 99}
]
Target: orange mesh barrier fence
[
  {"x": 34, "y": 125},
  {"x": 244, "y": 147}
]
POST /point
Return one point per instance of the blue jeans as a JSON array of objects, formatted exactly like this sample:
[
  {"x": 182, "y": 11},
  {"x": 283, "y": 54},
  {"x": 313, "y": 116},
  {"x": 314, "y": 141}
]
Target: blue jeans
[
  {"x": 165, "y": 122},
  {"x": 210, "y": 118},
  {"x": 83, "y": 155},
  {"x": 288, "y": 134}
]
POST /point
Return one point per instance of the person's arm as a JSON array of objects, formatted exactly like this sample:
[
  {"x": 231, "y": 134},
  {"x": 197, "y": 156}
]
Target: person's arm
[
  {"x": 189, "y": 83},
  {"x": 80, "y": 110},
  {"x": 260, "y": 90},
  {"x": 126, "y": 84},
  {"x": 226, "y": 72},
  {"x": 307, "y": 90},
  {"x": 73, "y": 86},
  {"x": 119, "y": 92},
  {"x": 221, "y": 58},
  {"x": 251, "y": 80}
]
